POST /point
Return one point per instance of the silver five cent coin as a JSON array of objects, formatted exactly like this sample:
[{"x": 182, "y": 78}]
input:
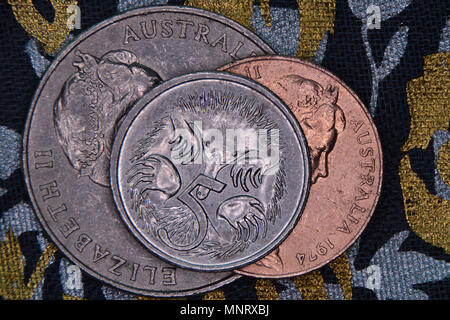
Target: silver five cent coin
[
  {"x": 71, "y": 125},
  {"x": 210, "y": 171}
]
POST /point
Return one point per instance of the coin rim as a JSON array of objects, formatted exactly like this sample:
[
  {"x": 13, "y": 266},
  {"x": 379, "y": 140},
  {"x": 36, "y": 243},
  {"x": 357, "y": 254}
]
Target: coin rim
[
  {"x": 141, "y": 105},
  {"x": 378, "y": 142},
  {"x": 42, "y": 83}
]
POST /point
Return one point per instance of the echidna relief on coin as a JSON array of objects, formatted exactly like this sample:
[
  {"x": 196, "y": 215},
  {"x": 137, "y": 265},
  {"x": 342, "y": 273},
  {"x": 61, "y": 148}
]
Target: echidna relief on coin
[{"x": 211, "y": 171}]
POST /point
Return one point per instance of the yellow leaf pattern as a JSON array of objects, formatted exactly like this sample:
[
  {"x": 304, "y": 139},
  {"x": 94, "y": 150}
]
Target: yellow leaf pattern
[
  {"x": 52, "y": 35},
  {"x": 12, "y": 279}
]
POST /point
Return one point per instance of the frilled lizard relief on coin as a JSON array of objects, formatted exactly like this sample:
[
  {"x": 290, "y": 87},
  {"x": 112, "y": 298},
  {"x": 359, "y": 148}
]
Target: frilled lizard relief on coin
[
  {"x": 346, "y": 163},
  {"x": 210, "y": 171},
  {"x": 71, "y": 126}
]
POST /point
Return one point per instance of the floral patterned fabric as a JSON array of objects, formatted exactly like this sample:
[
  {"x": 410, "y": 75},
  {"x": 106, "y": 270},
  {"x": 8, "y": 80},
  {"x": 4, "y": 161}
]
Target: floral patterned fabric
[{"x": 393, "y": 54}]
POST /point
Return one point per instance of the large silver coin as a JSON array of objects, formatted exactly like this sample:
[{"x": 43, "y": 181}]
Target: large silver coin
[
  {"x": 210, "y": 171},
  {"x": 72, "y": 122}
]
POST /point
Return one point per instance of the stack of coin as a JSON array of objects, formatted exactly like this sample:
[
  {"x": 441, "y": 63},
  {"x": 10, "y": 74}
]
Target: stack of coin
[{"x": 168, "y": 151}]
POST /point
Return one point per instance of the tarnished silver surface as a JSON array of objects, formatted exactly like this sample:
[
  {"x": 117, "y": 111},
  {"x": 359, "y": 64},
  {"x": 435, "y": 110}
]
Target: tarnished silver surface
[
  {"x": 71, "y": 126},
  {"x": 210, "y": 171}
]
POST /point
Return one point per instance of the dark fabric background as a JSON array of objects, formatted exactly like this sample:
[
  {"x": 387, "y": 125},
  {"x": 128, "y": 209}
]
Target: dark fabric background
[{"x": 345, "y": 56}]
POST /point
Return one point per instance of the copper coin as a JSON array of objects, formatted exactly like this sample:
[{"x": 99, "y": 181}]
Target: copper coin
[{"x": 346, "y": 163}]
